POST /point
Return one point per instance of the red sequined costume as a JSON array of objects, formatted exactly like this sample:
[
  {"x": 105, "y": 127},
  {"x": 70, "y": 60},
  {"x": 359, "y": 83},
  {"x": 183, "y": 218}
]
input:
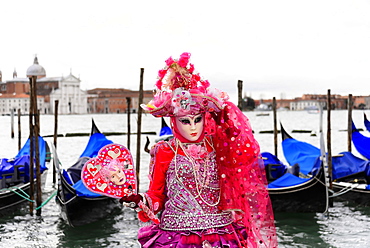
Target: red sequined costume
[{"x": 225, "y": 186}]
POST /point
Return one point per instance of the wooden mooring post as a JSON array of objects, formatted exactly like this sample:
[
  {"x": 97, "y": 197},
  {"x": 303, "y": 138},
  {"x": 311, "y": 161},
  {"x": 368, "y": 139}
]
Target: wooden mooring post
[
  {"x": 139, "y": 117},
  {"x": 275, "y": 126},
  {"x": 349, "y": 128},
  {"x": 56, "y": 105},
  {"x": 128, "y": 100},
  {"x": 32, "y": 145},
  {"x": 33, "y": 72},
  {"x": 19, "y": 131},
  {"x": 240, "y": 96},
  {"x": 12, "y": 123},
  {"x": 36, "y": 131},
  {"x": 328, "y": 140}
]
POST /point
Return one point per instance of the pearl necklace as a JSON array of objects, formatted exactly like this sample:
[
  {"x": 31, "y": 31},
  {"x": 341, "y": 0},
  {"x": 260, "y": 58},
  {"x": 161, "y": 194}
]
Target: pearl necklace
[{"x": 198, "y": 185}]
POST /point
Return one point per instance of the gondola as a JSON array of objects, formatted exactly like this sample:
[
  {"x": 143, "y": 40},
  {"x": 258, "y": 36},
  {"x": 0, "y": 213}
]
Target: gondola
[
  {"x": 351, "y": 174},
  {"x": 164, "y": 134},
  {"x": 78, "y": 205},
  {"x": 289, "y": 192},
  {"x": 351, "y": 179},
  {"x": 361, "y": 142},
  {"x": 15, "y": 177},
  {"x": 366, "y": 123}
]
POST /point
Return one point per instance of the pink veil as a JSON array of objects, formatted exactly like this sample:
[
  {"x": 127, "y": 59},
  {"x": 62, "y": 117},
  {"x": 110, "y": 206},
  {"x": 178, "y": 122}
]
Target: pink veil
[{"x": 242, "y": 175}]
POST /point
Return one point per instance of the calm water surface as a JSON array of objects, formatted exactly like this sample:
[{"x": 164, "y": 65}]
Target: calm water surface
[{"x": 345, "y": 225}]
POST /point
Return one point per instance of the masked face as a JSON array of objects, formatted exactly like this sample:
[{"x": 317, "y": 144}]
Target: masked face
[{"x": 190, "y": 126}]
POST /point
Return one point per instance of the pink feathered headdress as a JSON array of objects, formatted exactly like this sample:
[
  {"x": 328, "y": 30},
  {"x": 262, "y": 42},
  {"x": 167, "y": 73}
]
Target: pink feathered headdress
[{"x": 180, "y": 91}]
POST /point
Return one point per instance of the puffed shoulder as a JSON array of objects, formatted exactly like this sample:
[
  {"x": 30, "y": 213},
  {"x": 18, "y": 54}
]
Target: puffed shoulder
[{"x": 161, "y": 147}]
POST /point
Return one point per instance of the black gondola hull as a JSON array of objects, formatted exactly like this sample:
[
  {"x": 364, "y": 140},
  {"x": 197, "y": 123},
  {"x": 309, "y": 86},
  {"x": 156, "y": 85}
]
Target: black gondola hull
[
  {"x": 78, "y": 210},
  {"x": 307, "y": 197},
  {"x": 11, "y": 199},
  {"x": 352, "y": 193}
]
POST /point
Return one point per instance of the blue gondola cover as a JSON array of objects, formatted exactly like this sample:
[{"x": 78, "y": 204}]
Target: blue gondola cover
[
  {"x": 23, "y": 158},
  {"x": 165, "y": 131},
  {"x": 279, "y": 167},
  {"x": 42, "y": 152},
  {"x": 287, "y": 180},
  {"x": 366, "y": 123},
  {"x": 302, "y": 153},
  {"x": 81, "y": 190},
  {"x": 361, "y": 142},
  {"x": 96, "y": 141},
  {"x": 349, "y": 164}
]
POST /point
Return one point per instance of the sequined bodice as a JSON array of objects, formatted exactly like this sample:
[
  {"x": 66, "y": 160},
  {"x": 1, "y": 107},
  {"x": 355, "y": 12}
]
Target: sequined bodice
[{"x": 193, "y": 194}]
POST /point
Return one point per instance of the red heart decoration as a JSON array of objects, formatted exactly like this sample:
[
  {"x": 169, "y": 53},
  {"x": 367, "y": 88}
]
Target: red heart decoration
[{"x": 111, "y": 172}]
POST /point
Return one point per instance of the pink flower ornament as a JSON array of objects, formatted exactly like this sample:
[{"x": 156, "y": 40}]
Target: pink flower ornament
[
  {"x": 169, "y": 61},
  {"x": 196, "y": 151},
  {"x": 184, "y": 59}
]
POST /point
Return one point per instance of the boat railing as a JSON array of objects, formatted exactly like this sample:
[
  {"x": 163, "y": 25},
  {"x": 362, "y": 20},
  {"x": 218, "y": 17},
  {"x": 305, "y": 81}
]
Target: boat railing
[{"x": 10, "y": 179}]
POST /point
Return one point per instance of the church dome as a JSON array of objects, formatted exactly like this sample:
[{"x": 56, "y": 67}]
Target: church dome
[{"x": 36, "y": 70}]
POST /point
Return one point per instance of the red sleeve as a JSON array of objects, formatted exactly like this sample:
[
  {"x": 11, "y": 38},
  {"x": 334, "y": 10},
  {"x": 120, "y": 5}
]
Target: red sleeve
[
  {"x": 143, "y": 216},
  {"x": 162, "y": 155}
]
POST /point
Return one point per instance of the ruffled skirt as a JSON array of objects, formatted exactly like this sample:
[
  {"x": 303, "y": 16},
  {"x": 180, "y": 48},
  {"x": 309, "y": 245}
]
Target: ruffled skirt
[{"x": 231, "y": 236}]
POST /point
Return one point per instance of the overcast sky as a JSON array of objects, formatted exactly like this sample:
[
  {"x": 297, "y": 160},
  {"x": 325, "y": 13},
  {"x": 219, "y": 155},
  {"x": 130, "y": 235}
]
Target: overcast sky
[{"x": 277, "y": 48}]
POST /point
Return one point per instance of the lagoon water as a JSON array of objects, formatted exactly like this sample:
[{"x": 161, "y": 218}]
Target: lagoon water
[{"x": 345, "y": 224}]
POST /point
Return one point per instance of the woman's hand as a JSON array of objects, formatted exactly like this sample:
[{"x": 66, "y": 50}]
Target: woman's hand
[
  {"x": 137, "y": 202},
  {"x": 222, "y": 119},
  {"x": 131, "y": 201}
]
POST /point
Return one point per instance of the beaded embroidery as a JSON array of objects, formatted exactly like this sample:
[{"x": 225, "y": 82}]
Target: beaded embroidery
[{"x": 188, "y": 207}]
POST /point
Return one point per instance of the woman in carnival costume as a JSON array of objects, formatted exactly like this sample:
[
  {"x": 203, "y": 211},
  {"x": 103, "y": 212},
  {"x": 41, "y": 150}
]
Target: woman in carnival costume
[{"x": 208, "y": 183}]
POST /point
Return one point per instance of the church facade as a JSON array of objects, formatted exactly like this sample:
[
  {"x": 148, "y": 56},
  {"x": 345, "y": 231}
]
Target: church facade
[
  {"x": 14, "y": 95},
  {"x": 71, "y": 99}
]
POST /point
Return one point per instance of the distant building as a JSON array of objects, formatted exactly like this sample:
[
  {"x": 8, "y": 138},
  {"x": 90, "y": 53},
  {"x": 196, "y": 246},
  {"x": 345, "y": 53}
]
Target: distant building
[
  {"x": 72, "y": 100},
  {"x": 367, "y": 102},
  {"x": 361, "y": 102},
  {"x": 307, "y": 104},
  {"x": 280, "y": 103},
  {"x": 14, "y": 95},
  {"x": 312, "y": 101},
  {"x": 108, "y": 100},
  {"x": 13, "y": 102}
]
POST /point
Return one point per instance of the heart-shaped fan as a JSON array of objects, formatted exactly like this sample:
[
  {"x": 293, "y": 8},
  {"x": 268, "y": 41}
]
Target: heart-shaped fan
[{"x": 111, "y": 172}]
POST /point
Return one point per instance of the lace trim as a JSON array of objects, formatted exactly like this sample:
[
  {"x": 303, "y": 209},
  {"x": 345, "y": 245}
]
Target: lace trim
[{"x": 176, "y": 222}]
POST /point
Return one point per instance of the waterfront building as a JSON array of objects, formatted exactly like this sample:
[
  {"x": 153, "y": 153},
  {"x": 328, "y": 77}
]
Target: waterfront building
[
  {"x": 314, "y": 101},
  {"x": 367, "y": 102},
  {"x": 72, "y": 100},
  {"x": 14, "y": 95},
  {"x": 108, "y": 100},
  {"x": 13, "y": 102},
  {"x": 307, "y": 104},
  {"x": 281, "y": 104}
]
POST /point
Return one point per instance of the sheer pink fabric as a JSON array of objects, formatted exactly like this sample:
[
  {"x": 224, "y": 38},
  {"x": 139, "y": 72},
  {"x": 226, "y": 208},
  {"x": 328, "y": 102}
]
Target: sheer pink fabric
[{"x": 242, "y": 175}]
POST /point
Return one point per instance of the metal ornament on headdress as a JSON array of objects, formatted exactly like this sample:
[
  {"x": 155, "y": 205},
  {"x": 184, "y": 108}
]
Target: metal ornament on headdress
[{"x": 182, "y": 100}]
